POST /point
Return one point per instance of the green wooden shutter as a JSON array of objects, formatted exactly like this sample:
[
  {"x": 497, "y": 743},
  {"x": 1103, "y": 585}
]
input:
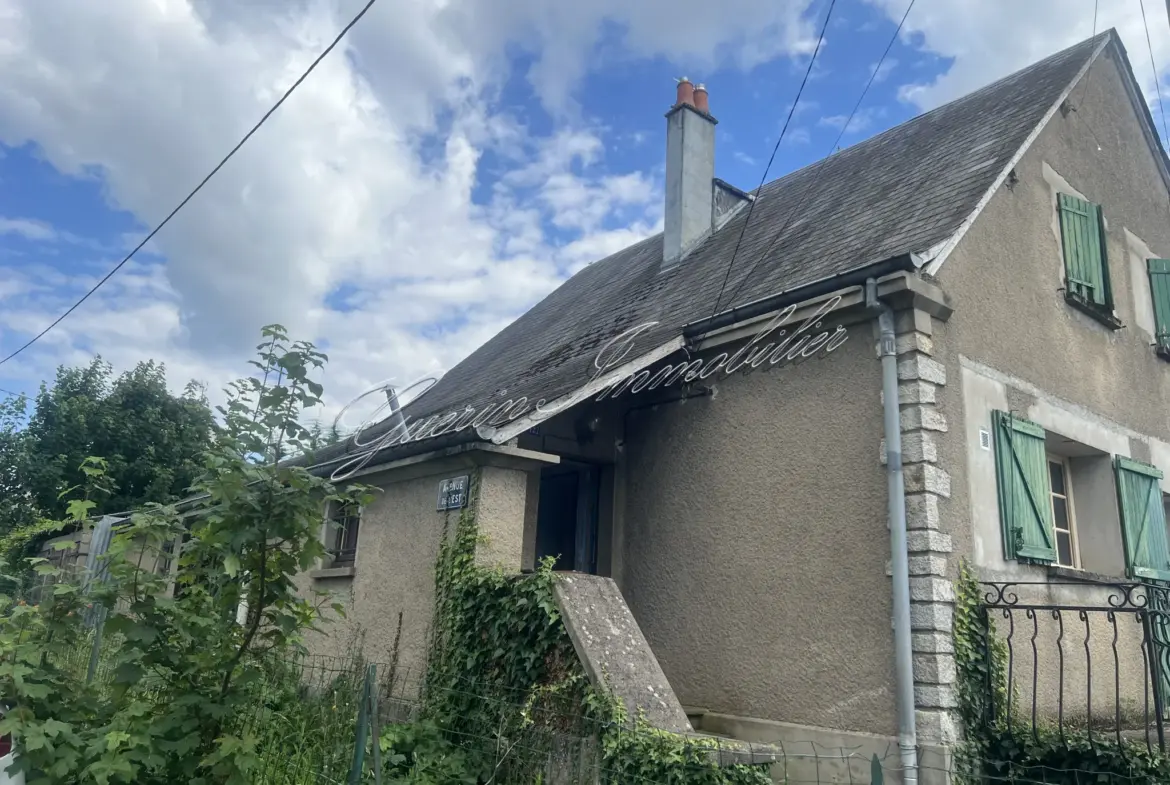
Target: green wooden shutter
[
  {"x": 1143, "y": 519},
  {"x": 1160, "y": 294},
  {"x": 1085, "y": 271},
  {"x": 1025, "y": 498}
]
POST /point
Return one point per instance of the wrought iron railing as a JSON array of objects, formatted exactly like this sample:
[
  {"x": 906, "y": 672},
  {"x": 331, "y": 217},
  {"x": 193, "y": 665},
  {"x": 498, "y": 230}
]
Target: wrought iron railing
[{"x": 1082, "y": 657}]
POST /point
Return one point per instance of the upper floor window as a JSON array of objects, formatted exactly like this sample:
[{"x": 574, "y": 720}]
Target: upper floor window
[
  {"x": 1086, "y": 264},
  {"x": 341, "y": 535},
  {"x": 1159, "y": 270}
]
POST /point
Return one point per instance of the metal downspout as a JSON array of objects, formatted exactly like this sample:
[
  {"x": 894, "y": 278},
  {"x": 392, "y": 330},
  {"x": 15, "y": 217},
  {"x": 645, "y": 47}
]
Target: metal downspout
[{"x": 899, "y": 557}]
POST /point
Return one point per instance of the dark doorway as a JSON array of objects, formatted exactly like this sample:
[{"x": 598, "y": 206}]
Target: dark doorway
[{"x": 566, "y": 518}]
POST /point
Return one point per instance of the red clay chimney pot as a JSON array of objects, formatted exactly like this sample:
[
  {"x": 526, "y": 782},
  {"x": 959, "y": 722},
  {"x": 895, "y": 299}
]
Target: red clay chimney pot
[
  {"x": 686, "y": 93},
  {"x": 701, "y": 100}
]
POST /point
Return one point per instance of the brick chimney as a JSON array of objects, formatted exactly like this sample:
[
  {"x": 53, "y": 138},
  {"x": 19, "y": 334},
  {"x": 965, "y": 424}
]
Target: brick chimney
[{"x": 690, "y": 172}]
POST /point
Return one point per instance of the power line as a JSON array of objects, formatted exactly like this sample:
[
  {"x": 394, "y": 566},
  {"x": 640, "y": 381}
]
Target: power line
[
  {"x": 817, "y": 170},
  {"x": 1085, "y": 83},
  {"x": 791, "y": 111},
  {"x": 202, "y": 183},
  {"x": 1154, "y": 68}
]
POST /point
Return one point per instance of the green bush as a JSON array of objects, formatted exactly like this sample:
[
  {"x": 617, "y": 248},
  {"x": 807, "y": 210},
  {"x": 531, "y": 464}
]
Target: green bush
[
  {"x": 180, "y": 675},
  {"x": 505, "y": 693}
]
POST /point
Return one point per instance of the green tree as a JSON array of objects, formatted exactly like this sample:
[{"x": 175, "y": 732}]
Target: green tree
[
  {"x": 17, "y": 507},
  {"x": 152, "y": 440},
  {"x": 184, "y": 671}
]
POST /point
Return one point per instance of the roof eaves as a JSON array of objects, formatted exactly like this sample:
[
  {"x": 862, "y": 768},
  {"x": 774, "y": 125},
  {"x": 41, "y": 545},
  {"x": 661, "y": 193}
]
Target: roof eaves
[
  {"x": 934, "y": 261},
  {"x": 596, "y": 385}
]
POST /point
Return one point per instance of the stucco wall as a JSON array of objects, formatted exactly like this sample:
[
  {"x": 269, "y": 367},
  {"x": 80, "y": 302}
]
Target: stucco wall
[
  {"x": 1017, "y": 345},
  {"x": 398, "y": 543},
  {"x": 755, "y": 543},
  {"x": 1004, "y": 277}
]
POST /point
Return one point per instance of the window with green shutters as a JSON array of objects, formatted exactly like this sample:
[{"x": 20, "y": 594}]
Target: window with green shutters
[
  {"x": 1086, "y": 269},
  {"x": 1143, "y": 519},
  {"x": 1160, "y": 294},
  {"x": 1025, "y": 504}
]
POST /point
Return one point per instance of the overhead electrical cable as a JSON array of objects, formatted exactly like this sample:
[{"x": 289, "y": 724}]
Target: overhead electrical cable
[
  {"x": 817, "y": 166},
  {"x": 1154, "y": 68},
  {"x": 784, "y": 130},
  {"x": 202, "y": 183}
]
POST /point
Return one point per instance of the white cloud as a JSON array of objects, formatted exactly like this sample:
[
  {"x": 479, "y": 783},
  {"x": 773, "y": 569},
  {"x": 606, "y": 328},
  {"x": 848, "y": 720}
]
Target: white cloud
[
  {"x": 992, "y": 40},
  {"x": 881, "y": 71},
  {"x": 368, "y": 181},
  {"x": 27, "y": 228},
  {"x": 797, "y": 136},
  {"x": 862, "y": 120}
]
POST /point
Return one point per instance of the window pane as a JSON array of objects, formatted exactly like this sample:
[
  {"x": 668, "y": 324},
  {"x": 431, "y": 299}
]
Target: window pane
[
  {"x": 1060, "y": 513},
  {"x": 1064, "y": 548},
  {"x": 1056, "y": 473},
  {"x": 350, "y": 534}
]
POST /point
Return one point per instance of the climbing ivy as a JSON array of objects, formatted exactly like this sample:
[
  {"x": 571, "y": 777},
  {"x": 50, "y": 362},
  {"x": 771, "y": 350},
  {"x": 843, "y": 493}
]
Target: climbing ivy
[
  {"x": 1002, "y": 748},
  {"x": 505, "y": 691}
]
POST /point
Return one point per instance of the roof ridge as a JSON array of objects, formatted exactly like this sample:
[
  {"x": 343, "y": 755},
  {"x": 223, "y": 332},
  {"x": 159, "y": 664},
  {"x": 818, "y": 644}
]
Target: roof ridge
[{"x": 1090, "y": 44}]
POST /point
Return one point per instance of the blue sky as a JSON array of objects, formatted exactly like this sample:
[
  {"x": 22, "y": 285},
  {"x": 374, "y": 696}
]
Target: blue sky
[{"x": 429, "y": 183}]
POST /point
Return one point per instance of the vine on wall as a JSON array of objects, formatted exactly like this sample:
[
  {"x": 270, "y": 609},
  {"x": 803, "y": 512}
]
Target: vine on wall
[
  {"x": 505, "y": 692},
  {"x": 1001, "y": 748}
]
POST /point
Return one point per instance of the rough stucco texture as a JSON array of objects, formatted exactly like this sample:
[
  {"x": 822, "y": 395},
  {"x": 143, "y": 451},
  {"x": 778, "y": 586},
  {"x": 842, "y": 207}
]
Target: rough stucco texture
[
  {"x": 756, "y": 542},
  {"x": 1005, "y": 280},
  {"x": 500, "y": 516},
  {"x": 1004, "y": 277},
  {"x": 398, "y": 544}
]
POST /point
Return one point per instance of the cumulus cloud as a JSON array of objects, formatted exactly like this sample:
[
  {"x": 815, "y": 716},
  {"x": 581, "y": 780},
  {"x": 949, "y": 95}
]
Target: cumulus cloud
[
  {"x": 395, "y": 209},
  {"x": 881, "y": 71},
  {"x": 986, "y": 41},
  {"x": 361, "y": 215},
  {"x": 27, "y": 228},
  {"x": 862, "y": 120}
]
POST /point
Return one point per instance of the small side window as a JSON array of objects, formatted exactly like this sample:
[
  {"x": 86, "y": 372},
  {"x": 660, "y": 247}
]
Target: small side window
[{"x": 342, "y": 534}]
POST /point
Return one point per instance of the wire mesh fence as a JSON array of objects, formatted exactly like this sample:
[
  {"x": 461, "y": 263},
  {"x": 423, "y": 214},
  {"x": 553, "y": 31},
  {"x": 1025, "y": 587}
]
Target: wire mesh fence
[
  {"x": 305, "y": 720},
  {"x": 316, "y": 719}
]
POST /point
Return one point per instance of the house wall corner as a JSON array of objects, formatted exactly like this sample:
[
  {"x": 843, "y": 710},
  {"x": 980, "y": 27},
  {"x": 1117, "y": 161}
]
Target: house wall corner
[{"x": 921, "y": 382}]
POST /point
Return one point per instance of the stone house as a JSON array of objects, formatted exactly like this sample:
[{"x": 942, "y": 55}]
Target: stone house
[{"x": 976, "y": 308}]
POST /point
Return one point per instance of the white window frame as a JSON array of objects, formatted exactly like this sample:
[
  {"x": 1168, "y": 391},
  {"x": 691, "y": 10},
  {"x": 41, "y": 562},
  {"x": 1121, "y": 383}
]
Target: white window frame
[{"x": 1074, "y": 544}]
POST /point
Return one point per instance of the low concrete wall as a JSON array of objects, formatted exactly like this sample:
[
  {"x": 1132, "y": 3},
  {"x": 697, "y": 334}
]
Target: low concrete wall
[{"x": 822, "y": 756}]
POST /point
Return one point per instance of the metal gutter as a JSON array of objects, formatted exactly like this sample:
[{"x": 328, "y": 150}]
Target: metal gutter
[{"x": 858, "y": 277}]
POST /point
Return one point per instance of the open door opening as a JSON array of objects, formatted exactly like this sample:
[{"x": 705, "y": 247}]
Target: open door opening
[{"x": 567, "y": 516}]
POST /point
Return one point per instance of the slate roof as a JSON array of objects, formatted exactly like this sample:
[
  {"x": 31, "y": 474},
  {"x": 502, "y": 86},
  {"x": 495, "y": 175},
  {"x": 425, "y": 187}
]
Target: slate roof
[{"x": 902, "y": 191}]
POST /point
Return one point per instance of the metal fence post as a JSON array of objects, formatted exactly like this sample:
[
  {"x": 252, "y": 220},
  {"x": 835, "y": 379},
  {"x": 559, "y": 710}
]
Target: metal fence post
[
  {"x": 1155, "y": 624},
  {"x": 375, "y": 725},
  {"x": 95, "y": 649},
  {"x": 363, "y": 731}
]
